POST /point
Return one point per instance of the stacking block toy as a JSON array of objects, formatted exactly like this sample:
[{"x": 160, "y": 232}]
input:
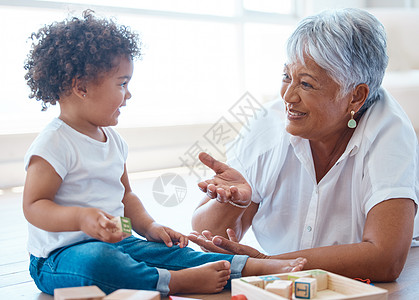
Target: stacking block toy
[
  {"x": 254, "y": 280},
  {"x": 297, "y": 275},
  {"x": 305, "y": 288},
  {"x": 123, "y": 225},
  {"x": 321, "y": 277},
  {"x": 268, "y": 278},
  {"x": 282, "y": 288},
  {"x": 126, "y": 294},
  {"x": 79, "y": 293}
]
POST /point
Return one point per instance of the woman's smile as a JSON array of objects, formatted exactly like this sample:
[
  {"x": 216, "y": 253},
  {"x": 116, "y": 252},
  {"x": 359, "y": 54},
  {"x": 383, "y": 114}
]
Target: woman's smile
[{"x": 294, "y": 114}]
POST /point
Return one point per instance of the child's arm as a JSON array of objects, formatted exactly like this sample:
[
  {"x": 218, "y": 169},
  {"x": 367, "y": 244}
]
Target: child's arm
[
  {"x": 143, "y": 223},
  {"x": 41, "y": 185}
]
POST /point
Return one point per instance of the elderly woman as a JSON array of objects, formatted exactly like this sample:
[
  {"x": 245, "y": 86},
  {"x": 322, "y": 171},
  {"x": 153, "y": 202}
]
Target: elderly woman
[{"x": 337, "y": 181}]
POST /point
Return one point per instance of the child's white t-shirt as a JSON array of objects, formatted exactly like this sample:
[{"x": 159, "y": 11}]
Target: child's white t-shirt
[{"x": 91, "y": 172}]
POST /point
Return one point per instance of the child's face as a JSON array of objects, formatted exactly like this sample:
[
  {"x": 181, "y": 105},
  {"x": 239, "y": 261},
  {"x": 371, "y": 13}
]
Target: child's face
[{"x": 107, "y": 96}]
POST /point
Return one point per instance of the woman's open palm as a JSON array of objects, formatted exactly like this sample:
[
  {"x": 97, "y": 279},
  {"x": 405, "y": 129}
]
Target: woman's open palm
[{"x": 227, "y": 184}]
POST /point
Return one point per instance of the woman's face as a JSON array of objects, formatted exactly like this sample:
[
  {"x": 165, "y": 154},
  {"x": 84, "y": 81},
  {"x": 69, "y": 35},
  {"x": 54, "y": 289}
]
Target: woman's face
[{"x": 313, "y": 110}]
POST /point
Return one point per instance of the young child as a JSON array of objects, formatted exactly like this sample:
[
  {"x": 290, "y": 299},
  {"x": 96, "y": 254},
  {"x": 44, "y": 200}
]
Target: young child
[{"x": 77, "y": 179}]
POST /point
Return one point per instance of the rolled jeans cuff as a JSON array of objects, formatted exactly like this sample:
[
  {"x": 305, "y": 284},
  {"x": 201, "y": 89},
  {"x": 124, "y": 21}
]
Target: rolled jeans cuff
[
  {"x": 163, "y": 282},
  {"x": 237, "y": 264}
]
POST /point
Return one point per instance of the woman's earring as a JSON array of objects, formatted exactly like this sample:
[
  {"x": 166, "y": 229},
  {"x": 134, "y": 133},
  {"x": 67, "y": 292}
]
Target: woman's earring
[
  {"x": 352, "y": 122},
  {"x": 84, "y": 95}
]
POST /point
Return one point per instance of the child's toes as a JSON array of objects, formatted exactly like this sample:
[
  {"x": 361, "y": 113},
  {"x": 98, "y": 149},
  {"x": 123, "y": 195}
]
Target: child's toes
[
  {"x": 298, "y": 261},
  {"x": 224, "y": 272},
  {"x": 221, "y": 284},
  {"x": 226, "y": 264},
  {"x": 225, "y": 278}
]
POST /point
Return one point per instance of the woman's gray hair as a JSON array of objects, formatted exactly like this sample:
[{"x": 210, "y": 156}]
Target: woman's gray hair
[{"x": 350, "y": 44}]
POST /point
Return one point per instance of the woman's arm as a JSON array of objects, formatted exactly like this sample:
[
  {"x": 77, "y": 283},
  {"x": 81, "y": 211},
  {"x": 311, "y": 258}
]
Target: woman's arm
[
  {"x": 380, "y": 256},
  {"x": 39, "y": 208},
  {"x": 218, "y": 217},
  {"x": 227, "y": 203}
]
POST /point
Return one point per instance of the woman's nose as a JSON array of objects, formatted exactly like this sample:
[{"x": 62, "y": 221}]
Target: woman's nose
[{"x": 288, "y": 93}]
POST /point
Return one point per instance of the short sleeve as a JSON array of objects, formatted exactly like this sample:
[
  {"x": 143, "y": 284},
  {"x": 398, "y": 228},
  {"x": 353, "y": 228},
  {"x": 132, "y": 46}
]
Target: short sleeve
[
  {"x": 391, "y": 164},
  {"x": 50, "y": 147}
]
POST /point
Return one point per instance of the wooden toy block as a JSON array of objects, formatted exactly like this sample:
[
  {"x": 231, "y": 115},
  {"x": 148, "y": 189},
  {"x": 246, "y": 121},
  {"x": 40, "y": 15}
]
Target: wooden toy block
[
  {"x": 268, "y": 278},
  {"x": 338, "y": 287},
  {"x": 305, "y": 288},
  {"x": 123, "y": 225},
  {"x": 296, "y": 275},
  {"x": 321, "y": 277},
  {"x": 282, "y": 288},
  {"x": 127, "y": 294},
  {"x": 254, "y": 280},
  {"x": 79, "y": 293}
]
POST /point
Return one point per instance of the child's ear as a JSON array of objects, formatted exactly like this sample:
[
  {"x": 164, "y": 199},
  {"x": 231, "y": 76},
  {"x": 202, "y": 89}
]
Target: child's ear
[{"x": 79, "y": 88}]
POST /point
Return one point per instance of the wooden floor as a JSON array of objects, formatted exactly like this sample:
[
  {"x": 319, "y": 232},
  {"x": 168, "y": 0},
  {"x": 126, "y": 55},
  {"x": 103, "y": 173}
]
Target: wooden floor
[{"x": 15, "y": 281}]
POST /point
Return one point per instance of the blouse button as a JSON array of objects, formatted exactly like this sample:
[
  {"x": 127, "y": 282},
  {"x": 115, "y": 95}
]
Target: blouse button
[{"x": 309, "y": 228}]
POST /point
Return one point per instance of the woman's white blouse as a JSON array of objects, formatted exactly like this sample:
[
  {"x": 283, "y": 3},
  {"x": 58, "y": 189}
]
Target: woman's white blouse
[{"x": 379, "y": 163}]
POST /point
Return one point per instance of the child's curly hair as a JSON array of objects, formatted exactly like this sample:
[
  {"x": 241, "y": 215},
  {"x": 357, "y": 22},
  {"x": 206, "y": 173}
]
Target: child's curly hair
[{"x": 75, "y": 48}]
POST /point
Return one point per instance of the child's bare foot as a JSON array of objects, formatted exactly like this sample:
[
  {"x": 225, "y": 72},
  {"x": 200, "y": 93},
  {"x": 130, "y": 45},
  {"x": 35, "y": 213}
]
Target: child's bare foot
[
  {"x": 205, "y": 279},
  {"x": 256, "y": 266}
]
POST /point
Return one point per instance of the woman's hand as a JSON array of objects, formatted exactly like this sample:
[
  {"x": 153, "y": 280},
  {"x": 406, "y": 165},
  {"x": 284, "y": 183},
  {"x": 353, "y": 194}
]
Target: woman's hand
[
  {"x": 97, "y": 224},
  {"x": 159, "y": 233},
  {"x": 210, "y": 243},
  {"x": 228, "y": 185}
]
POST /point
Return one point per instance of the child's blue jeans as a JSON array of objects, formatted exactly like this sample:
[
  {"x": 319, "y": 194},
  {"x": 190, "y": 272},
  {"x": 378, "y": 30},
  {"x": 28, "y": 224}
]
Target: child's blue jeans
[{"x": 132, "y": 263}]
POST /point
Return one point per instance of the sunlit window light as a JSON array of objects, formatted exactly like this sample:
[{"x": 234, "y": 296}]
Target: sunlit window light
[
  {"x": 213, "y": 7},
  {"x": 17, "y": 189},
  {"x": 270, "y": 6},
  {"x": 192, "y": 70}
]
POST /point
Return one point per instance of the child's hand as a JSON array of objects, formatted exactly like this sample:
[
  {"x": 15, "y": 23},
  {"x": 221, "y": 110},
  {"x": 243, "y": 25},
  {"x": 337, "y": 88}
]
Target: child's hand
[
  {"x": 159, "y": 233},
  {"x": 97, "y": 224}
]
